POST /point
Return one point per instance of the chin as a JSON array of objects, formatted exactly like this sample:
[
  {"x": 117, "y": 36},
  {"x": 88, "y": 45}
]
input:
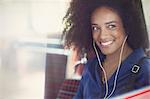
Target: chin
[{"x": 107, "y": 52}]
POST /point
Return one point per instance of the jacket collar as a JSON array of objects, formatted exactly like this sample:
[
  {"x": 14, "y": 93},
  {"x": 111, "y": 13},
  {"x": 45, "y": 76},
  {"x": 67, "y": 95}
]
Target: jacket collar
[
  {"x": 126, "y": 66},
  {"x": 128, "y": 63}
]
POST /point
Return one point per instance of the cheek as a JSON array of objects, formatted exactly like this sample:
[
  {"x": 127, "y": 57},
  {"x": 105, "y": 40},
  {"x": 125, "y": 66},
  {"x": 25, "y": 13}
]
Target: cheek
[
  {"x": 120, "y": 38},
  {"x": 119, "y": 34},
  {"x": 95, "y": 36}
]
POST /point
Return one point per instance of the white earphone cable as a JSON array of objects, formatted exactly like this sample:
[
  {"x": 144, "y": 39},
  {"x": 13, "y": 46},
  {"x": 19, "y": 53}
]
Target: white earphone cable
[
  {"x": 100, "y": 64},
  {"x": 118, "y": 68}
]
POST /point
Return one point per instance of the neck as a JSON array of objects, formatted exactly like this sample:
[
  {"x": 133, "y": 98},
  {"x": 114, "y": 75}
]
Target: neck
[
  {"x": 113, "y": 58},
  {"x": 112, "y": 61}
]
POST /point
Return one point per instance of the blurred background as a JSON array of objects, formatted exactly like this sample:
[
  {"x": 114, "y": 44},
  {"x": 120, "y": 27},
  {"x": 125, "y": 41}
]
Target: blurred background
[{"x": 32, "y": 59}]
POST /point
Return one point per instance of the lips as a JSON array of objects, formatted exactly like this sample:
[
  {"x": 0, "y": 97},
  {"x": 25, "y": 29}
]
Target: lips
[{"x": 107, "y": 43}]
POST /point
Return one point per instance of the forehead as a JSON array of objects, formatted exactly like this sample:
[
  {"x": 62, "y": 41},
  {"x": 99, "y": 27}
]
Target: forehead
[{"x": 103, "y": 14}]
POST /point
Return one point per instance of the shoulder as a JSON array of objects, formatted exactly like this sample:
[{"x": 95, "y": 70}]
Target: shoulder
[
  {"x": 139, "y": 58},
  {"x": 89, "y": 69},
  {"x": 144, "y": 73},
  {"x": 144, "y": 63},
  {"x": 146, "y": 60},
  {"x": 143, "y": 76},
  {"x": 90, "y": 64}
]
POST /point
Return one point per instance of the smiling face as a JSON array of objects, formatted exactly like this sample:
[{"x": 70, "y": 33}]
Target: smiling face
[{"x": 107, "y": 30}]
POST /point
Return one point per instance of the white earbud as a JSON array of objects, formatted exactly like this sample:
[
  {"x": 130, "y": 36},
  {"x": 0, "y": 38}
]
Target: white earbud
[{"x": 82, "y": 60}]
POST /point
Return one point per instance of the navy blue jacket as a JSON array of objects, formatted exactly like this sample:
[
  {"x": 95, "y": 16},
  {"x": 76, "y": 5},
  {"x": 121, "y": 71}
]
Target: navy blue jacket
[{"x": 91, "y": 86}]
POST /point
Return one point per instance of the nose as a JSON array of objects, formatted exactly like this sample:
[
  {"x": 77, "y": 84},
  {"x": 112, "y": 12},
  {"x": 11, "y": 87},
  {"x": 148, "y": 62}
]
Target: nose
[{"x": 103, "y": 34}]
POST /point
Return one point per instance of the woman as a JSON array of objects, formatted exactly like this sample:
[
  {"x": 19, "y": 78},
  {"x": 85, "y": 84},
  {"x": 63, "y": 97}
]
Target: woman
[{"x": 116, "y": 32}]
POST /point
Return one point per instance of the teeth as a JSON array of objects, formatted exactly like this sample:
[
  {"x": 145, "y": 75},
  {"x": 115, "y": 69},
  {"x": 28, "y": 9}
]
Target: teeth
[{"x": 106, "y": 43}]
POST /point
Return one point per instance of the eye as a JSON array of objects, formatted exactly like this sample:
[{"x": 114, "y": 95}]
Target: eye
[
  {"x": 95, "y": 29},
  {"x": 111, "y": 26}
]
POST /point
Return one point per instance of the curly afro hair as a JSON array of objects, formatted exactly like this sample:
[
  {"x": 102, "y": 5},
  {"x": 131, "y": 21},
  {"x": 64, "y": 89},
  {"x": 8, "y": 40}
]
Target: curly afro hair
[{"x": 78, "y": 26}]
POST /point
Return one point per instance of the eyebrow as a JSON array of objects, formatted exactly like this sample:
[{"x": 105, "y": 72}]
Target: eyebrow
[
  {"x": 111, "y": 22},
  {"x": 106, "y": 22},
  {"x": 94, "y": 24}
]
